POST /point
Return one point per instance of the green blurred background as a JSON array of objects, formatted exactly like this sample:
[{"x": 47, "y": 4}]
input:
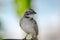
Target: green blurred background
[{"x": 22, "y": 5}]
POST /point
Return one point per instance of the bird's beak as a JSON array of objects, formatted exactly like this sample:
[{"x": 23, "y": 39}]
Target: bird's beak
[{"x": 34, "y": 12}]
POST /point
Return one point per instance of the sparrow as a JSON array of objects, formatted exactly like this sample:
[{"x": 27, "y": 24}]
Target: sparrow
[{"x": 28, "y": 24}]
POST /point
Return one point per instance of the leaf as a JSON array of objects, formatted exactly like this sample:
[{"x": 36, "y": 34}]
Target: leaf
[{"x": 22, "y": 5}]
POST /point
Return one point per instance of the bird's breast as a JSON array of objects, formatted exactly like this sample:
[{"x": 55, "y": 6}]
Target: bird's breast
[{"x": 27, "y": 23}]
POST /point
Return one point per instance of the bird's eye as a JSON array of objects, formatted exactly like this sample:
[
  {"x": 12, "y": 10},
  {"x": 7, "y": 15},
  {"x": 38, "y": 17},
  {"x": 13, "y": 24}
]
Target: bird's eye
[{"x": 27, "y": 14}]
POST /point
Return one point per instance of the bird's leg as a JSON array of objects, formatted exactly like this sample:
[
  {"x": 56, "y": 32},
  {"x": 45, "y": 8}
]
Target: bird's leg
[
  {"x": 28, "y": 36},
  {"x": 25, "y": 37},
  {"x": 34, "y": 37}
]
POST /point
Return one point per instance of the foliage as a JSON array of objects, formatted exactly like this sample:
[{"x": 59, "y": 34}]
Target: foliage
[
  {"x": 1, "y": 38},
  {"x": 22, "y": 5},
  {"x": 0, "y": 24}
]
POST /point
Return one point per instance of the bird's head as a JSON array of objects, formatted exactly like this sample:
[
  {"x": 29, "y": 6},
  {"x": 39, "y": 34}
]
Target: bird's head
[{"x": 30, "y": 13}]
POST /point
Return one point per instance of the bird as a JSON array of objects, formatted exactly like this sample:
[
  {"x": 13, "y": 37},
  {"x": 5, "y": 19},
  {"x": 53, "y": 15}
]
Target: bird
[{"x": 29, "y": 24}]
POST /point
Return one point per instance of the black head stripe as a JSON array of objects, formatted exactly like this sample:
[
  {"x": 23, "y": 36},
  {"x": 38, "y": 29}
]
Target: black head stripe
[
  {"x": 30, "y": 11},
  {"x": 26, "y": 14},
  {"x": 26, "y": 17}
]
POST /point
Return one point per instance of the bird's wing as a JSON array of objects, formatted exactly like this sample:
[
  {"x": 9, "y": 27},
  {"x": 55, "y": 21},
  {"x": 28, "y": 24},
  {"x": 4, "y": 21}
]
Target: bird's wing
[
  {"x": 35, "y": 27},
  {"x": 20, "y": 22}
]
